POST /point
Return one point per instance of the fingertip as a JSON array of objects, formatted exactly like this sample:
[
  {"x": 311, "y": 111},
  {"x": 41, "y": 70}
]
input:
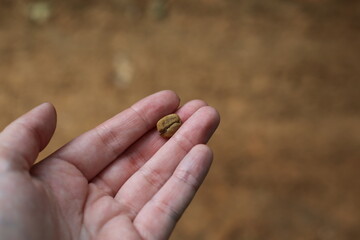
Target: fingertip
[
  {"x": 158, "y": 104},
  {"x": 213, "y": 119},
  {"x": 204, "y": 150},
  {"x": 50, "y": 109},
  {"x": 197, "y": 103},
  {"x": 49, "y": 106},
  {"x": 200, "y": 102},
  {"x": 45, "y": 108},
  {"x": 213, "y": 114},
  {"x": 170, "y": 92},
  {"x": 199, "y": 159},
  {"x": 190, "y": 108},
  {"x": 42, "y": 120}
]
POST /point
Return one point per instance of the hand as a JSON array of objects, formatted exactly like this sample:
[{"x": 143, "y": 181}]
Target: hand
[{"x": 120, "y": 180}]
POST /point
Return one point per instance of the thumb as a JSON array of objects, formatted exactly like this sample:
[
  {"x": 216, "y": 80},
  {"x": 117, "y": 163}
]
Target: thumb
[{"x": 23, "y": 139}]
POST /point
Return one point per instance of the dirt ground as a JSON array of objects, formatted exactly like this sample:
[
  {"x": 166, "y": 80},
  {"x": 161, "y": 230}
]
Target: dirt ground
[{"x": 284, "y": 76}]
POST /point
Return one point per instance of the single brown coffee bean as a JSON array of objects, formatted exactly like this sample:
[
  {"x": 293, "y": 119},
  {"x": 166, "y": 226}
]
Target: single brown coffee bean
[{"x": 168, "y": 125}]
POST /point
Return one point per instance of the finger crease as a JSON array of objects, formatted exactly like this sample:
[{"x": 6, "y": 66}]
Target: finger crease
[
  {"x": 152, "y": 176},
  {"x": 183, "y": 142},
  {"x": 136, "y": 160},
  {"x": 141, "y": 116},
  {"x": 168, "y": 210},
  {"x": 102, "y": 184},
  {"x": 128, "y": 208},
  {"x": 108, "y": 138},
  {"x": 186, "y": 177}
]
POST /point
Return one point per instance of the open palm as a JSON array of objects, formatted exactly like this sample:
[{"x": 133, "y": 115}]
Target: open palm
[{"x": 120, "y": 180}]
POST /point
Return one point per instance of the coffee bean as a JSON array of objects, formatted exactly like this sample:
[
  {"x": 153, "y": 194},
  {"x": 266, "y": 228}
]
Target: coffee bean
[{"x": 168, "y": 125}]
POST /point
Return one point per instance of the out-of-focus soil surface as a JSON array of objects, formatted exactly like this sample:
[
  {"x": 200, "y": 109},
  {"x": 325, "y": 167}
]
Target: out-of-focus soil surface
[{"x": 284, "y": 76}]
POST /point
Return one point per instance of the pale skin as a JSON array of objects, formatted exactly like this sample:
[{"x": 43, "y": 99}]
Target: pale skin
[{"x": 120, "y": 180}]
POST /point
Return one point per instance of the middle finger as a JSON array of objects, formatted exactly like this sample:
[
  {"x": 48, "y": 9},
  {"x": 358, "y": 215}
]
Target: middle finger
[{"x": 117, "y": 173}]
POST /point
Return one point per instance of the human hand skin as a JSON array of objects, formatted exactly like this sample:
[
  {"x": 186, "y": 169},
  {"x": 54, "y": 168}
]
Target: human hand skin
[{"x": 120, "y": 180}]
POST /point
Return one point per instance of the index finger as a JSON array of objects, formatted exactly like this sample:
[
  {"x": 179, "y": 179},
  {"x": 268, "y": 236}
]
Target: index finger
[{"x": 92, "y": 151}]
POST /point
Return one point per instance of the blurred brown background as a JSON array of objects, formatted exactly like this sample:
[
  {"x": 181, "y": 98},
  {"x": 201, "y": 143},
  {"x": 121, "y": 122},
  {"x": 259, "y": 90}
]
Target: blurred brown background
[{"x": 284, "y": 75}]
